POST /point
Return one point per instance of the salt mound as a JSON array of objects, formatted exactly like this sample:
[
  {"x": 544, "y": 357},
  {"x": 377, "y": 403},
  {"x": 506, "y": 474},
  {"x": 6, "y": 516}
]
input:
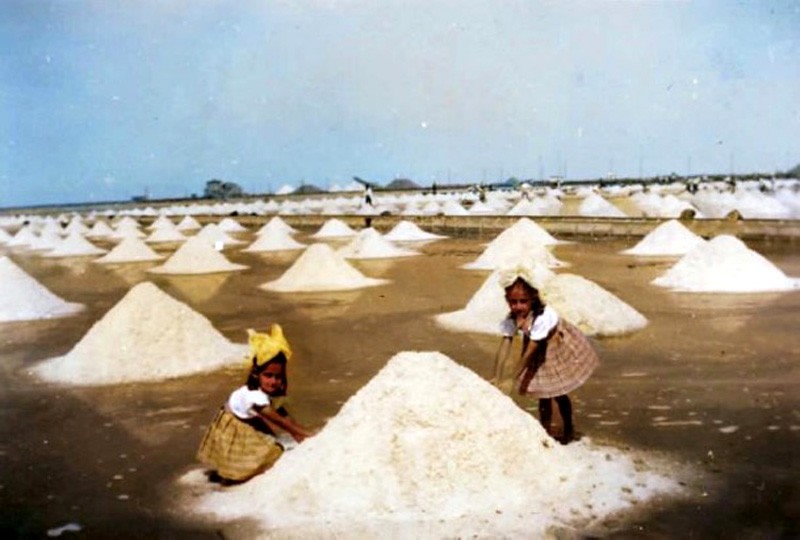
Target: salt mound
[
  {"x": 527, "y": 227},
  {"x": 130, "y": 250},
  {"x": 669, "y": 238},
  {"x": 595, "y": 205},
  {"x": 75, "y": 245},
  {"x": 725, "y": 264},
  {"x": 23, "y": 237},
  {"x": 274, "y": 239},
  {"x": 196, "y": 256},
  {"x": 590, "y": 307},
  {"x": 334, "y": 228},
  {"x": 408, "y": 231},
  {"x": 230, "y": 225},
  {"x": 276, "y": 224},
  {"x": 410, "y": 455},
  {"x": 22, "y": 298},
  {"x": 164, "y": 232},
  {"x": 100, "y": 229},
  {"x": 146, "y": 336},
  {"x": 188, "y": 223},
  {"x": 370, "y": 244},
  {"x": 585, "y": 304},
  {"x": 509, "y": 250},
  {"x": 216, "y": 236},
  {"x": 319, "y": 268}
]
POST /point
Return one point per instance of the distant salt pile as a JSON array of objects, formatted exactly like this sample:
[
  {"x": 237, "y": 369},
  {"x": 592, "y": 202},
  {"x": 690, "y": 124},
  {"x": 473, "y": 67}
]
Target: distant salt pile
[
  {"x": 276, "y": 224},
  {"x": 130, "y": 250},
  {"x": 370, "y": 244},
  {"x": 217, "y": 237},
  {"x": 320, "y": 268},
  {"x": 164, "y": 233},
  {"x": 230, "y": 225},
  {"x": 100, "y": 229},
  {"x": 188, "y": 223},
  {"x": 76, "y": 225},
  {"x": 725, "y": 265},
  {"x": 75, "y": 245},
  {"x": 590, "y": 307},
  {"x": 669, "y": 238},
  {"x": 196, "y": 256},
  {"x": 127, "y": 229},
  {"x": 410, "y": 455},
  {"x": 275, "y": 239},
  {"x": 656, "y": 205},
  {"x": 595, "y": 205},
  {"x": 334, "y": 228},
  {"x": 23, "y": 237},
  {"x": 527, "y": 227},
  {"x": 479, "y": 208},
  {"x": 146, "y": 336},
  {"x": 161, "y": 222},
  {"x": 452, "y": 208},
  {"x": 408, "y": 231},
  {"x": 46, "y": 241},
  {"x": 585, "y": 304},
  {"x": 4, "y": 236},
  {"x": 22, "y": 298}
]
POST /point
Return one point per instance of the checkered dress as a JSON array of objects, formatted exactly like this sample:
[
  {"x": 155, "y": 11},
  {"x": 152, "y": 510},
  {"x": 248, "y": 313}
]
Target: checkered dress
[{"x": 566, "y": 360}]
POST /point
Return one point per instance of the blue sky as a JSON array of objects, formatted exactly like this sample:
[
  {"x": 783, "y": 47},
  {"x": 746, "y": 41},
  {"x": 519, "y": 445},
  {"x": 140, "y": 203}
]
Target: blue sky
[{"x": 104, "y": 99}]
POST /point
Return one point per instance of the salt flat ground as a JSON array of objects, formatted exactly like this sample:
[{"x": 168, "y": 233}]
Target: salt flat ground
[{"x": 713, "y": 381}]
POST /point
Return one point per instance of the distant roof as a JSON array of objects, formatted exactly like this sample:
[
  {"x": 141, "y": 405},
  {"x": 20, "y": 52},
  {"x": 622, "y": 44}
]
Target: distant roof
[{"x": 402, "y": 183}]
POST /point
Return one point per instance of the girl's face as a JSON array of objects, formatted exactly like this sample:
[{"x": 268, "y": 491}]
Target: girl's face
[
  {"x": 519, "y": 300},
  {"x": 270, "y": 380}
]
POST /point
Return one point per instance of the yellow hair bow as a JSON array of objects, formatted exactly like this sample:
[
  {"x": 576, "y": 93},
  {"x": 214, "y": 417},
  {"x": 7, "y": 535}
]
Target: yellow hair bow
[{"x": 264, "y": 347}]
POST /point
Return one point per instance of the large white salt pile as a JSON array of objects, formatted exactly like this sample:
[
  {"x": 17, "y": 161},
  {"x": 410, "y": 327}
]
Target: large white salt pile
[
  {"x": 320, "y": 268},
  {"x": 75, "y": 245},
  {"x": 527, "y": 227},
  {"x": 274, "y": 239},
  {"x": 669, "y": 238},
  {"x": 370, "y": 244},
  {"x": 725, "y": 264},
  {"x": 196, "y": 256},
  {"x": 22, "y": 298},
  {"x": 334, "y": 228},
  {"x": 129, "y": 250},
  {"x": 408, "y": 231},
  {"x": 146, "y": 336},
  {"x": 411, "y": 455},
  {"x": 585, "y": 304}
]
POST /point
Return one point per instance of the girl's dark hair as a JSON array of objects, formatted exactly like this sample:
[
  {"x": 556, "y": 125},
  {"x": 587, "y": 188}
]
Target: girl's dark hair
[
  {"x": 537, "y": 306},
  {"x": 255, "y": 371}
]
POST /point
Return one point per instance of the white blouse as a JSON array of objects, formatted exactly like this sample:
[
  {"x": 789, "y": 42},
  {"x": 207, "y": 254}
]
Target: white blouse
[
  {"x": 243, "y": 402},
  {"x": 540, "y": 328}
]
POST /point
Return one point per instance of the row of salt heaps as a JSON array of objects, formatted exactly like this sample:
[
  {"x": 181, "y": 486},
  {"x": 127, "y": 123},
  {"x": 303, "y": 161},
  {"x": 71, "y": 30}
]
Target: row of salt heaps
[{"x": 411, "y": 456}]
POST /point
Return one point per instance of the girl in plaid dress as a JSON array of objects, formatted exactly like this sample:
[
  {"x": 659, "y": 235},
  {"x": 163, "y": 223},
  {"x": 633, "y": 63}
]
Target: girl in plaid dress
[
  {"x": 556, "y": 357},
  {"x": 240, "y": 442}
]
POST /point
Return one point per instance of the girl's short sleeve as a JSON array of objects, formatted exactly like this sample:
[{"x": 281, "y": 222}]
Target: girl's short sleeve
[
  {"x": 243, "y": 402},
  {"x": 543, "y": 324}
]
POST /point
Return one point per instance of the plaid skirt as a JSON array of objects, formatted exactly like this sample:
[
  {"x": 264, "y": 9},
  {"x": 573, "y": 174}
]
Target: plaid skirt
[
  {"x": 568, "y": 360},
  {"x": 238, "y": 449}
]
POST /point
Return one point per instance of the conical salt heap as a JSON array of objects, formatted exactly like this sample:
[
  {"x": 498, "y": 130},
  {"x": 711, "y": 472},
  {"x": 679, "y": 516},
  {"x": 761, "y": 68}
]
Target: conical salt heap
[
  {"x": 585, "y": 304},
  {"x": 22, "y": 298},
  {"x": 334, "y": 228},
  {"x": 408, "y": 231},
  {"x": 276, "y": 224},
  {"x": 319, "y": 268},
  {"x": 188, "y": 223},
  {"x": 230, "y": 225},
  {"x": 146, "y": 336},
  {"x": 130, "y": 250},
  {"x": 411, "y": 455},
  {"x": 217, "y": 237},
  {"x": 165, "y": 231},
  {"x": 725, "y": 264},
  {"x": 75, "y": 245},
  {"x": 669, "y": 238},
  {"x": 274, "y": 239},
  {"x": 370, "y": 244},
  {"x": 100, "y": 229},
  {"x": 527, "y": 227},
  {"x": 595, "y": 205},
  {"x": 508, "y": 250},
  {"x": 196, "y": 256}
]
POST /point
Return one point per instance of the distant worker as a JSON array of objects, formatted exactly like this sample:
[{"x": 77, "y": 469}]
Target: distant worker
[
  {"x": 526, "y": 190},
  {"x": 368, "y": 194}
]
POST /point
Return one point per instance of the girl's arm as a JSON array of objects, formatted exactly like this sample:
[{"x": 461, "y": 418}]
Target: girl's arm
[
  {"x": 528, "y": 365},
  {"x": 286, "y": 423}
]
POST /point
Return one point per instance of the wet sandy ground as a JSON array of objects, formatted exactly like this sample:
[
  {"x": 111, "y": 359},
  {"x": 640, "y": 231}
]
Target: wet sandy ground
[{"x": 713, "y": 382}]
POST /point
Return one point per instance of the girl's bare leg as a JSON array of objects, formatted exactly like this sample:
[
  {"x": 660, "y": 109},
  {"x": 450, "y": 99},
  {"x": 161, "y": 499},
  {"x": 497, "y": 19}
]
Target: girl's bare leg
[
  {"x": 565, "y": 409},
  {"x": 546, "y": 414}
]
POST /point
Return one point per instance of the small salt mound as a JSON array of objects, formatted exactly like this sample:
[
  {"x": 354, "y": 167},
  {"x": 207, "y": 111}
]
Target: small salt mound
[
  {"x": 669, "y": 238},
  {"x": 334, "y": 228},
  {"x": 4, "y": 236},
  {"x": 188, "y": 223},
  {"x": 161, "y": 222},
  {"x": 196, "y": 256},
  {"x": 595, "y": 205},
  {"x": 451, "y": 208},
  {"x": 277, "y": 224},
  {"x": 512, "y": 249},
  {"x": 23, "y": 238},
  {"x": 230, "y": 225},
  {"x": 583, "y": 303},
  {"x": 526, "y": 227},
  {"x": 482, "y": 209},
  {"x": 46, "y": 241},
  {"x": 370, "y": 244},
  {"x": 75, "y": 245},
  {"x": 410, "y": 455},
  {"x": 165, "y": 233},
  {"x": 129, "y": 250},
  {"x": 590, "y": 307},
  {"x": 216, "y": 236},
  {"x": 320, "y": 268},
  {"x": 100, "y": 230},
  {"x": 22, "y": 298},
  {"x": 274, "y": 239},
  {"x": 146, "y": 336},
  {"x": 725, "y": 264},
  {"x": 408, "y": 231}
]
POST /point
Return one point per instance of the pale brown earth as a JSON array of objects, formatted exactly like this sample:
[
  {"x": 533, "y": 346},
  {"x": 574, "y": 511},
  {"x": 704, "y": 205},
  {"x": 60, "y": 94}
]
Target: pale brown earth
[{"x": 108, "y": 458}]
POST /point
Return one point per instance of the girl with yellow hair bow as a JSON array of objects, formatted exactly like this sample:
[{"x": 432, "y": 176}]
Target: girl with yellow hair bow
[{"x": 240, "y": 442}]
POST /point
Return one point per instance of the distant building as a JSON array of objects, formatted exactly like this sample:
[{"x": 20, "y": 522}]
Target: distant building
[{"x": 218, "y": 189}]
